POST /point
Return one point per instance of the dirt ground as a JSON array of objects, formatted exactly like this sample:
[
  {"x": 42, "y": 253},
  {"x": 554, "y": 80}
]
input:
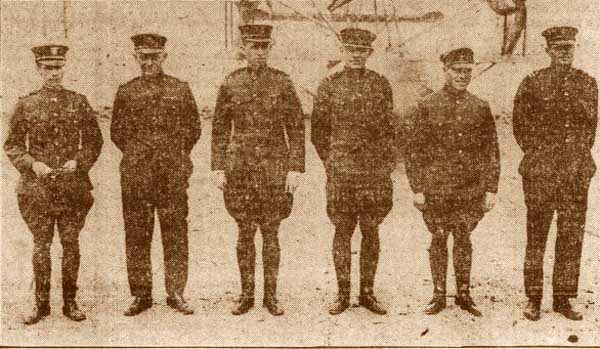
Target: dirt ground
[
  {"x": 307, "y": 278},
  {"x": 100, "y": 60}
]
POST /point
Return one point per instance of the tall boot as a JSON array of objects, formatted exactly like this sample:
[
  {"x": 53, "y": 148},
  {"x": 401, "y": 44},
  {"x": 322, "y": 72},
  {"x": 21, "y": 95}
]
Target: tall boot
[
  {"x": 246, "y": 255},
  {"x": 271, "y": 257},
  {"x": 369, "y": 258},
  {"x": 438, "y": 262},
  {"x": 40, "y": 311},
  {"x": 342, "y": 259}
]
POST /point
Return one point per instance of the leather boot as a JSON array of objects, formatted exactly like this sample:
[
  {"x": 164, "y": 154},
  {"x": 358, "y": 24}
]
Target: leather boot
[
  {"x": 563, "y": 306},
  {"x": 437, "y": 304},
  {"x": 139, "y": 305},
  {"x": 71, "y": 310},
  {"x": 40, "y": 311},
  {"x": 532, "y": 310},
  {"x": 370, "y": 302},
  {"x": 272, "y": 306},
  {"x": 465, "y": 302},
  {"x": 340, "y": 305},
  {"x": 178, "y": 303},
  {"x": 243, "y": 305}
]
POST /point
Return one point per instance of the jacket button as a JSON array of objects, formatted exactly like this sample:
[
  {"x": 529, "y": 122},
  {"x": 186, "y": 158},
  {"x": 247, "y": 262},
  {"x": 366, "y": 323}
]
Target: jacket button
[
  {"x": 460, "y": 134},
  {"x": 460, "y": 151}
]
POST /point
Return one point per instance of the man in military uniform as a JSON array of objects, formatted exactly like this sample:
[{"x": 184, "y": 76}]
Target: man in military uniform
[
  {"x": 255, "y": 165},
  {"x": 554, "y": 119},
  {"x": 155, "y": 124},
  {"x": 53, "y": 141},
  {"x": 453, "y": 169},
  {"x": 353, "y": 135}
]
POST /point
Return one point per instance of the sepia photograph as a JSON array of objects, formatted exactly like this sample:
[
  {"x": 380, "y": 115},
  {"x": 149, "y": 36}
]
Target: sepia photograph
[{"x": 299, "y": 173}]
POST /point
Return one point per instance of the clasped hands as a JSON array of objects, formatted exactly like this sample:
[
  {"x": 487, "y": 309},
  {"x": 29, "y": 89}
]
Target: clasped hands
[
  {"x": 42, "y": 170},
  {"x": 488, "y": 205},
  {"x": 291, "y": 182}
]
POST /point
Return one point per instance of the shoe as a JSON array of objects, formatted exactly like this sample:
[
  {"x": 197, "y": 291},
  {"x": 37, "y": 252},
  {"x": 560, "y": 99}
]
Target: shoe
[
  {"x": 370, "y": 302},
  {"x": 71, "y": 311},
  {"x": 40, "y": 311},
  {"x": 532, "y": 310},
  {"x": 563, "y": 306},
  {"x": 437, "y": 304},
  {"x": 138, "y": 306},
  {"x": 339, "y": 306},
  {"x": 178, "y": 303},
  {"x": 272, "y": 306},
  {"x": 466, "y": 303},
  {"x": 243, "y": 305}
]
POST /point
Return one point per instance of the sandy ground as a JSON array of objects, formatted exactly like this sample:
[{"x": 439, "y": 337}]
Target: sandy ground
[
  {"x": 100, "y": 60},
  {"x": 307, "y": 279}
]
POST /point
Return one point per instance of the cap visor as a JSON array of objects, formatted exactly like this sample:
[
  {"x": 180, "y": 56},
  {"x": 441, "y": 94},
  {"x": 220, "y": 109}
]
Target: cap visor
[
  {"x": 358, "y": 46},
  {"x": 562, "y": 42},
  {"x": 258, "y": 40},
  {"x": 461, "y": 65},
  {"x": 52, "y": 62},
  {"x": 149, "y": 50}
]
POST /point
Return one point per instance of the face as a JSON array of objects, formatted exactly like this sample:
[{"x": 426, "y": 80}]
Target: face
[
  {"x": 52, "y": 75},
  {"x": 561, "y": 54},
  {"x": 257, "y": 53},
  {"x": 150, "y": 63},
  {"x": 356, "y": 57},
  {"x": 458, "y": 76}
]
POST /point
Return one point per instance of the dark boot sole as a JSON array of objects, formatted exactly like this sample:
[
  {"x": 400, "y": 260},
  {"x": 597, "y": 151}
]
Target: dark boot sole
[
  {"x": 531, "y": 317},
  {"x": 39, "y": 318},
  {"x": 137, "y": 311},
  {"x": 178, "y": 309}
]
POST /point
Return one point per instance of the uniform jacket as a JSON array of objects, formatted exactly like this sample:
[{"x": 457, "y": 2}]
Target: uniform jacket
[
  {"x": 53, "y": 126},
  {"x": 155, "y": 124},
  {"x": 256, "y": 110},
  {"x": 453, "y": 149},
  {"x": 554, "y": 121},
  {"x": 352, "y": 128}
]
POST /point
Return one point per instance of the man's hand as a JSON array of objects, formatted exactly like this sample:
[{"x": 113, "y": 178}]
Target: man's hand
[
  {"x": 490, "y": 201},
  {"x": 292, "y": 181},
  {"x": 41, "y": 169},
  {"x": 419, "y": 201},
  {"x": 70, "y": 166},
  {"x": 219, "y": 179}
]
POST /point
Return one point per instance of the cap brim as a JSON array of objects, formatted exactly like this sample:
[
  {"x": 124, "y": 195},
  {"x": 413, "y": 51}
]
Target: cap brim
[
  {"x": 562, "y": 42},
  {"x": 257, "y": 40},
  {"x": 461, "y": 65},
  {"x": 357, "y": 46},
  {"x": 149, "y": 50},
  {"x": 52, "y": 62}
]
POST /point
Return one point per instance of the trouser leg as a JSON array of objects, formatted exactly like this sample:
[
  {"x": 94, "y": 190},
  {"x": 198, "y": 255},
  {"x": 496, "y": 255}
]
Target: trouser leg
[
  {"x": 246, "y": 256},
  {"x": 138, "y": 214},
  {"x": 342, "y": 254},
  {"x": 70, "y": 224},
  {"x": 438, "y": 250},
  {"x": 462, "y": 258},
  {"x": 572, "y": 212},
  {"x": 540, "y": 210},
  {"x": 41, "y": 224},
  {"x": 369, "y": 255},
  {"x": 172, "y": 215},
  {"x": 271, "y": 257}
]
